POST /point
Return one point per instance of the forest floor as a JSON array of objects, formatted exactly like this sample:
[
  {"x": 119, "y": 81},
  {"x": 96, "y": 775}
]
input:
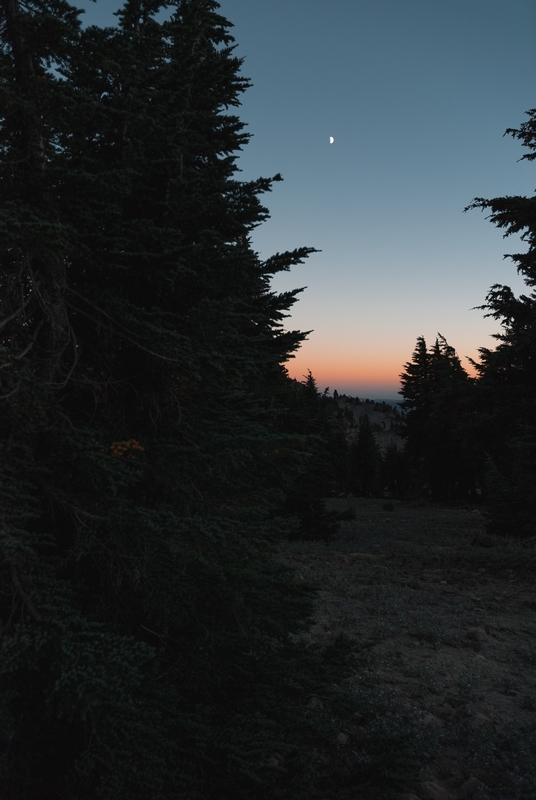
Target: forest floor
[{"x": 447, "y": 617}]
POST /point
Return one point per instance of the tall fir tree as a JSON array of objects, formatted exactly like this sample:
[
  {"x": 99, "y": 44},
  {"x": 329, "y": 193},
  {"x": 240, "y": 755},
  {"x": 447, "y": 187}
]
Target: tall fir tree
[
  {"x": 438, "y": 396},
  {"x": 146, "y": 625},
  {"x": 507, "y": 374}
]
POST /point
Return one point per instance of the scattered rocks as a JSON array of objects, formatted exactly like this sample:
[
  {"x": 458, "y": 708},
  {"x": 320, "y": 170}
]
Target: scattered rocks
[
  {"x": 433, "y": 791},
  {"x": 482, "y": 721},
  {"x": 477, "y": 635}
]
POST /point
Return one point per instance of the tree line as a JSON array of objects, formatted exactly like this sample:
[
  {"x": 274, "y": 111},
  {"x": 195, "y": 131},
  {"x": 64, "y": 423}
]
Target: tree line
[{"x": 474, "y": 438}]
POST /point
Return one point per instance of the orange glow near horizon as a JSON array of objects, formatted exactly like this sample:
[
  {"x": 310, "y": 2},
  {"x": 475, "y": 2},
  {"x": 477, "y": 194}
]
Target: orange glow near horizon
[
  {"x": 382, "y": 375},
  {"x": 363, "y": 374}
]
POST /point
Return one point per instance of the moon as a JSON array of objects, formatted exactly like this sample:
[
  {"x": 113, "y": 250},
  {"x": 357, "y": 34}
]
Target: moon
[{"x": 331, "y": 139}]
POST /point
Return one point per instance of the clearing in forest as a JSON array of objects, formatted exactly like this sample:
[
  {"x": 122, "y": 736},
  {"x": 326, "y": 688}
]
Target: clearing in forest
[{"x": 448, "y": 614}]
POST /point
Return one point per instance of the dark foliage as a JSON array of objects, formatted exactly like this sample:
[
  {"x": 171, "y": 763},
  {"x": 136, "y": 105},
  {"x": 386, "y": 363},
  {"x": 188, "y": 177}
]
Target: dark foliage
[
  {"x": 471, "y": 436},
  {"x": 365, "y": 460},
  {"x": 149, "y": 637},
  {"x": 394, "y": 472},
  {"x": 313, "y": 415},
  {"x": 507, "y": 374},
  {"x": 438, "y": 397}
]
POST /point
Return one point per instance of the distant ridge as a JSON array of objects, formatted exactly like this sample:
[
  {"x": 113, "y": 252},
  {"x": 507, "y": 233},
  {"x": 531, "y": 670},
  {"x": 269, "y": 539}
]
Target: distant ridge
[{"x": 391, "y": 400}]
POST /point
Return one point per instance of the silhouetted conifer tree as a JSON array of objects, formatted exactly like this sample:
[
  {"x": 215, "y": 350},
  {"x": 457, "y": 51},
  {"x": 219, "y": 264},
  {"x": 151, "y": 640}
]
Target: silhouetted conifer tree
[
  {"x": 365, "y": 461},
  {"x": 147, "y": 646},
  {"x": 437, "y": 395},
  {"x": 313, "y": 415},
  {"x": 507, "y": 374}
]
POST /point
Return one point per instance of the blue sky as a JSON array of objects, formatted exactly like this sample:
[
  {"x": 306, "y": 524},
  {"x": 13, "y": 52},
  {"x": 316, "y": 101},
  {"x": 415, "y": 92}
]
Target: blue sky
[{"x": 417, "y": 95}]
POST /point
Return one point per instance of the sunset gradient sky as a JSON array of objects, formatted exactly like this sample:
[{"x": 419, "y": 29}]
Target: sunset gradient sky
[{"x": 417, "y": 95}]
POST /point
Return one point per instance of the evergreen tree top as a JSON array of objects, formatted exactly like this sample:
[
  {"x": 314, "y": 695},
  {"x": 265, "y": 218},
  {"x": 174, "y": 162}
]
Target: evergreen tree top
[
  {"x": 430, "y": 373},
  {"x": 516, "y": 214}
]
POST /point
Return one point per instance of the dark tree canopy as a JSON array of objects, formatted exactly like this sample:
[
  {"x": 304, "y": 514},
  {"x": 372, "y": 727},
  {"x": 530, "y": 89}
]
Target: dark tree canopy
[
  {"x": 468, "y": 434},
  {"x": 153, "y": 449},
  {"x": 507, "y": 374},
  {"x": 437, "y": 394},
  {"x": 146, "y": 626}
]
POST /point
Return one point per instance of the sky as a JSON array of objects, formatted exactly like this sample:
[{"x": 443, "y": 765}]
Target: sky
[{"x": 417, "y": 95}]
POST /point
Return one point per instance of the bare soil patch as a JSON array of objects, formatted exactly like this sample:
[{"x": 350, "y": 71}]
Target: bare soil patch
[{"x": 449, "y": 617}]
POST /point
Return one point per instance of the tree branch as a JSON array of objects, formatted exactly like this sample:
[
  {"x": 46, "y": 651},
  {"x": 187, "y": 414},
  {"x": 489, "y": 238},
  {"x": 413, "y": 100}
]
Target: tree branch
[
  {"x": 117, "y": 331},
  {"x": 22, "y": 594}
]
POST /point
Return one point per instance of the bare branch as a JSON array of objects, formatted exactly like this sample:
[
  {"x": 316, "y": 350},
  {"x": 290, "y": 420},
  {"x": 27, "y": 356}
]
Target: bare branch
[
  {"x": 75, "y": 360},
  {"x": 5, "y": 321},
  {"x": 22, "y": 594},
  {"x": 78, "y": 512},
  {"x": 12, "y": 392},
  {"x": 119, "y": 332},
  {"x": 26, "y": 350},
  {"x": 161, "y": 636}
]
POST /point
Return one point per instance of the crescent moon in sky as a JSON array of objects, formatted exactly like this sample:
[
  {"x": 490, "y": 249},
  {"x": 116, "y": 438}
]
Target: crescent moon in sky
[{"x": 331, "y": 139}]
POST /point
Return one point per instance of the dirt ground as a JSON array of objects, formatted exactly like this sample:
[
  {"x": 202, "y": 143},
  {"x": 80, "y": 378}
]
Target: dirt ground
[{"x": 449, "y": 614}]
